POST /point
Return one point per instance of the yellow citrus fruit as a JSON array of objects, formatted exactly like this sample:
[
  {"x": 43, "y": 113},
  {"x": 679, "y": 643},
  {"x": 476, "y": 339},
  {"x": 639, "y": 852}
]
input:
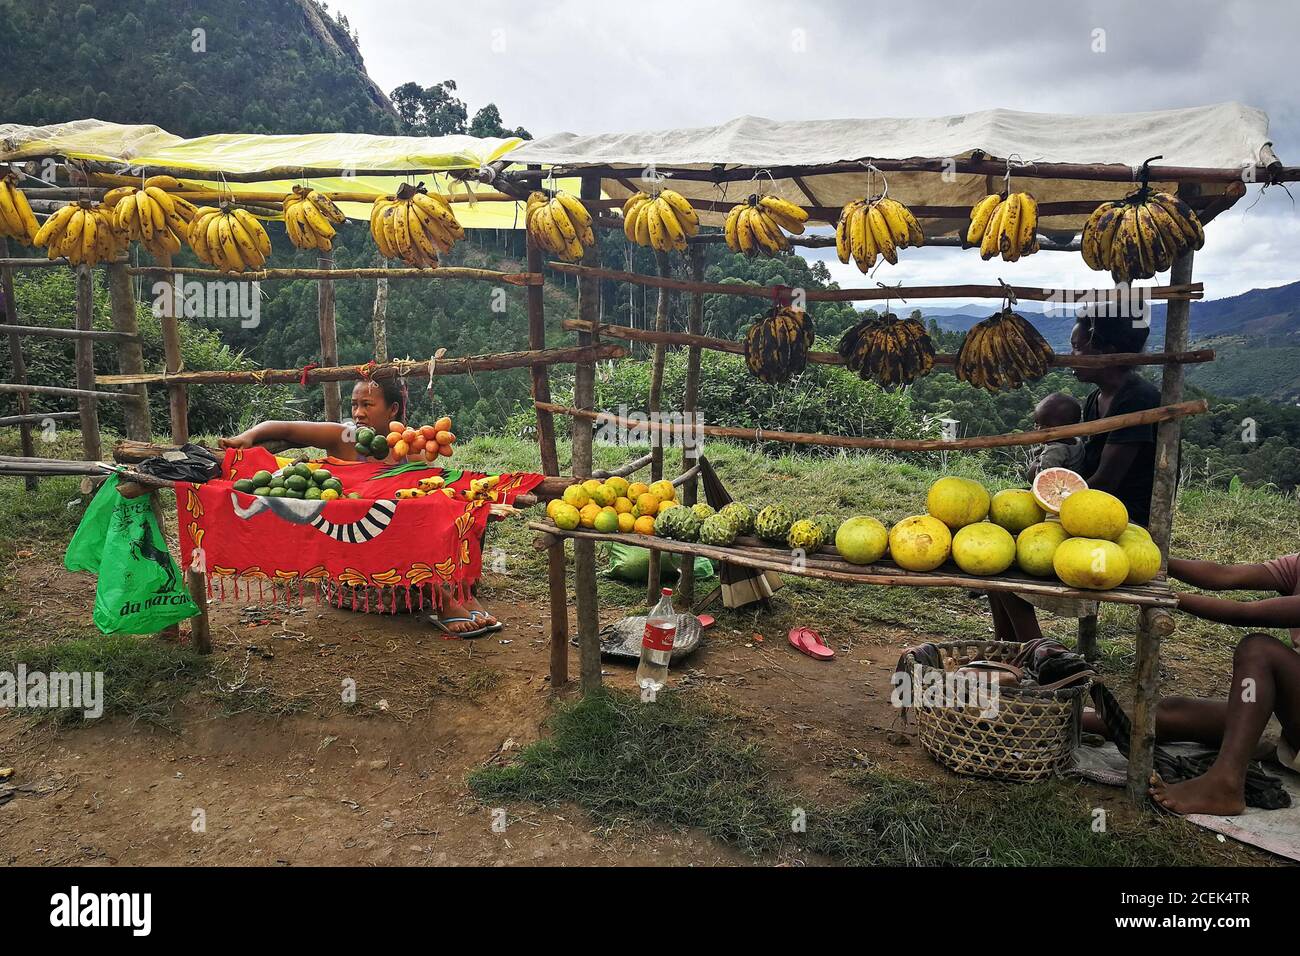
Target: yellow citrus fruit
[
  {"x": 1093, "y": 563},
  {"x": 590, "y": 486},
  {"x": 1036, "y": 546},
  {"x": 647, "y": 504},
  {"x": 861, "y": 540},
  {"x": 920, "y": 543},
  {"x": 626, "y": 523},
  {"x": 1015, "y": 509},
  {"x": 588, "y": 514},
  {"x": 1133, "y": 531},
  {"x": 606, "y": 521},
  {"x": 1094, "y": 514},
  {"x": 619, "y": 486},
  {"x": 566, "y": 516},
  {"x": 603, "y": 495},
  {"x": 665, "y": 505},
  {"x": 636, "y": 490},
  {"x": 576, "y": 495},
  {"x": 1053, "y": 485},
  {"x": 1143, "y": 557},
  {"x": 957, "y": 502},
  {"x": 551, "y": 506},
  {"x": 665, "y": 490},
  {"x": 623, "y": 505},
  {"x": 644, "y": 525},
  {"x": 983, "y": 548},
  {"x": 329, "y": 494}
]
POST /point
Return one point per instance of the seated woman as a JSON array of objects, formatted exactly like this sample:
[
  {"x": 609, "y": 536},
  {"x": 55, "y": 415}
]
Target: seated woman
[
  {"x": 374, "y": 404},
  {"x": 1121, "y": 462}
]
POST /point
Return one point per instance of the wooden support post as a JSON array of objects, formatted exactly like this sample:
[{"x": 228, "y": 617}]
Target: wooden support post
[
  {"x": 1087, "y": 642},
  {"x": 9, "y": 310},
  {"x": 85, "y": 358},
  {"x": 653, "y": 406},
  {"x": 130, "y": 355},
  {"x": 380, "y": 320},
  {"x": 200, "y": 630},
  {"x": 329, "y": 342},
  {"x": 178, "y": 398},
  {"x": 1164, "y": 488},
  {"x": 690, "y": 402},
  {"x": 556, "y": 563},
  {"x": 584, "y": 552}
]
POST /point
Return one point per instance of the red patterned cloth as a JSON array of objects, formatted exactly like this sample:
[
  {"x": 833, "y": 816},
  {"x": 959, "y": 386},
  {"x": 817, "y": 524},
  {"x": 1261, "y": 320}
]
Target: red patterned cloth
[{"x": 400, "y": 547}]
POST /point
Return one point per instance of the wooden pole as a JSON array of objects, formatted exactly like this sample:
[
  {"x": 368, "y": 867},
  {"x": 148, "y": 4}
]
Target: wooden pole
[
  {"x": 556, "y": 563},
  {"x": 130, "y": 354},
  {"x": 690, "y": 406},
  {"x": 200, "y": 629},
  {"x": 379, "y": 320},
  {"x": 178, "y": 399},
  {"x": 653, "y": 405},
  {"x": 9, "y": 301},
  {"x": 264, "y": 275},
  {"x": 1163, "y": 494},
  {"x": 584, "y": 552},
  {"x": 329, "y": 343},
  {"x": 85, "y": 360}
]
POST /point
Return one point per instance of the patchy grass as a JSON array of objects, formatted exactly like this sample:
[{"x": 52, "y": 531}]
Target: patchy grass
[{"x": 679, "y": 763}]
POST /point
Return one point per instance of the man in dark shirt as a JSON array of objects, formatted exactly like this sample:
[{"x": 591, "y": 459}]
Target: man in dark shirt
[{"x": 1121, "y": 462}]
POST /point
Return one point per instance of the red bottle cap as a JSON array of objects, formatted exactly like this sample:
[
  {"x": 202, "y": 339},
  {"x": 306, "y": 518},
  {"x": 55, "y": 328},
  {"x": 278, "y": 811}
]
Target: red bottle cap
[{"x": 667, "y": 592}]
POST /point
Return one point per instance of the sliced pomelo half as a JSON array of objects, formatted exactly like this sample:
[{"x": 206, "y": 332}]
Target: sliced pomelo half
[{"x": 1054, "y": 485}]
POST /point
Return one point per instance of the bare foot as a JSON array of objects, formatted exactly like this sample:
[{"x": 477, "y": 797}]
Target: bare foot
[
  {"x": 451, "y": 610},
  {"x": 484, "y": 616},
  {"x": 1203, "y": 794}
]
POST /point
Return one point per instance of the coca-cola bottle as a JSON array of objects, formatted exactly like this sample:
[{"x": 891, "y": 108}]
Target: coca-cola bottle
[{"x": 657, "y": 647}]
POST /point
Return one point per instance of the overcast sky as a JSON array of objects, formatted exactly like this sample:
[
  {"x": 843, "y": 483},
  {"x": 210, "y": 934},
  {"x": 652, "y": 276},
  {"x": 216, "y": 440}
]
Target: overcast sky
[{"x": 586, "y": 66}]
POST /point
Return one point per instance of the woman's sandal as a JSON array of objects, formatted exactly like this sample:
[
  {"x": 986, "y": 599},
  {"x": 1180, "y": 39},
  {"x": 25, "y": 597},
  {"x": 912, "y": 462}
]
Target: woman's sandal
[
  {"x": 479, "y": 615},
  {"x": 449, "y": 634}
]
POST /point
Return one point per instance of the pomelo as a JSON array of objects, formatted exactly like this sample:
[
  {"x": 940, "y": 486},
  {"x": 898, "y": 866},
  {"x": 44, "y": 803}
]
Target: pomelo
[
  {"x": 1094, "y": 514},
  {"x": 1143, "y": 557},
  {"x": 957, "y": 502},
  {"x": 983, "y": 548},
  {"x": 636, "y": 490},
  {"x": 619, "y": 485},
  {"x": 1036, "y": 546},
  {"x": 664, "y": 489},
  {"x": 1015, "y": 509},
  {"x": 647, "y": 504},
  {"x": 1053, "y": 485},
  {"x": 626, "y": 522},
  {"x": 566, "y": 516},
  {"x": 587, "y": 513},
  {"x": 591, "y": 485},
  {"x": 551, "y": 506},
  {"x": 606, "y": 521},
  {"x": 1134, "y": 530},
  {"x": 644, "y": 525},
  {"x": 623, "y": 505},
  {"x": 603, "y": 495},
  {"x": 576, "y": 495},
  {"x": 1093, "y": 563},
  {"x": 861, "y": 540},
  {"x": 920, "y": 543}
]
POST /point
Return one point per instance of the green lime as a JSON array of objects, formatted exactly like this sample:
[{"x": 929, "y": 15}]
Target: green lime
[
  {"x": 379, "y": 447},
  {"x": 264, "y": 490},
  {"x": 293, "y": 493},
  {"x": 279, "y": 492},
  {"x": 262, "y": 479},
  {"x": 296, "y": 482},
  {"x": 245, "y": 485},
  {"x": 277, "y": 482},
  {"x": 365, "y": 436},
  {"x": 333, "y": 483},
  {"x": 354, "y": 494},
  {"x": 312, "y": 493},
  {"x": 302, "y": 471},
  {"x": 321, "y": 475}
]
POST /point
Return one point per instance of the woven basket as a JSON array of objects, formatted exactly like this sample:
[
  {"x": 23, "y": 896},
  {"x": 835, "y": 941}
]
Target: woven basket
[{"x": 1030, "y": 737}]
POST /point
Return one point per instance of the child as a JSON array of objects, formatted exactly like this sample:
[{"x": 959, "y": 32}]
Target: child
[{"x": 1055, "y": 410}]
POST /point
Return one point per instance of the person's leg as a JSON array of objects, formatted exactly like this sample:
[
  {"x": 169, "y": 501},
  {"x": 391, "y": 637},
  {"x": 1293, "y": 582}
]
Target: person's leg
[
  {"x": 1013, "y": 618},
  {"x": 1178, "y": 718},
  {"x": 473, "y": 604},
  {"x": 454, "y": 615},
  {"x": 1265, "y": 680}
]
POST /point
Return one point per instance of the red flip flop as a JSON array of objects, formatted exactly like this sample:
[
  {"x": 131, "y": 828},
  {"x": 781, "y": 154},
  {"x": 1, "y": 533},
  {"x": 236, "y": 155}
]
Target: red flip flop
[{"x": 807, "y": 641}]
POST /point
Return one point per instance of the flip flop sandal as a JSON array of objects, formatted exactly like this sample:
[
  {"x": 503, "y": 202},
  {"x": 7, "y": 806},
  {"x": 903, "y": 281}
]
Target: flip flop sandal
[
  {"x": 477, "y": 615},
  {"x": 807, "y": 641},
  {"x": 450, "y": 635}
]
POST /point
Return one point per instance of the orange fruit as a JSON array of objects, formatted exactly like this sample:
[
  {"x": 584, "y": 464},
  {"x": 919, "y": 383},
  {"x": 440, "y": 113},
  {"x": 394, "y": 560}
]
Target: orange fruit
[
  {"x": 408, "y": 435},
  {"x": 648, "y": 504},
  {"x": 1054, "y": 485},
  {"x": 430, "y": 452},
  {"x": 644, "y": 525},
  {"x": 551, "y": 506},
  {"x": 393, "y": 438},
  {"x": 427, "y": 431},
  {"x": 401, "y": 449},
  {"x": 444, "y": 450},
  {"x": 636, "y": 490},
  {"x": 626, "y": 523},
  {"x": 396, "y": 427},
  {"x": 442, "y": 425},
  {"x": 623, "y": 505},
  {"x": 587, "y": 514},
  {"x": 444, "y": 437}
]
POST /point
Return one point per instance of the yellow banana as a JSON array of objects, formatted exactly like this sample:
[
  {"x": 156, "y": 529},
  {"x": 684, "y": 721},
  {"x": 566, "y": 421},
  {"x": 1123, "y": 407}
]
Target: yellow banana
[
  {"x": 1009, "y": 230},
  {"x": 880, "y": 233},
  {"x": 843, "y": 244},
  {"x": 729, "y": 229},
  {"x": 979, "y": 220},
  {"x": 989, "y": 245},
  {"x": 686, "y": 216},
  {"x": 255, "y": 231},
  {"x": 672, "y": 227}
]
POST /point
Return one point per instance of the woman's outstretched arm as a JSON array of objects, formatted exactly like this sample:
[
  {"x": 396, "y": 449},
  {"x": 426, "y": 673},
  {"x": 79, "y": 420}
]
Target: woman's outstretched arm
[{"x": 326, "y": 435}]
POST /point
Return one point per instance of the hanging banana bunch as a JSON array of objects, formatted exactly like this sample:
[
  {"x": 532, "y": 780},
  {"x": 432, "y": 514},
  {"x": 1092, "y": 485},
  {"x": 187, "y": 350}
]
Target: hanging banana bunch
[
  {"x": 871, "y": 229},
  {"x": 776, "y": 345},
  {"x": 663, "y": 222},
  {"x": 16, "y": 218},
  {"x": 888, "y": 350},
  {"x": 83, "y": 232},
  {"x": 559, "y": 224},
  {"x": 415, "y": 226},
  {"x": 1006, "y": 227},
  {"x": 229, "y": 239},
  {"x": 1140, "y": 235},
  {"x": 310, "y": 217},
  {"x": 755, "y": 226},
  {"x": 1003, "y": 351},
  {"x": 151, "y": 216}
]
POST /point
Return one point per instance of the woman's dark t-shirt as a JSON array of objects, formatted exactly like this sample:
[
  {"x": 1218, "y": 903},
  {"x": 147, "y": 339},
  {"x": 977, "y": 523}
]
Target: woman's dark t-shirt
[{"x": 1135, "y": 395}]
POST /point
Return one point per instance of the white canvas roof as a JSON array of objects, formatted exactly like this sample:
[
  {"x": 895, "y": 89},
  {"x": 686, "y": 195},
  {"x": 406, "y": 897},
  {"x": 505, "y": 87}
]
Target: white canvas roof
[{"x": 1222, "y": 136}]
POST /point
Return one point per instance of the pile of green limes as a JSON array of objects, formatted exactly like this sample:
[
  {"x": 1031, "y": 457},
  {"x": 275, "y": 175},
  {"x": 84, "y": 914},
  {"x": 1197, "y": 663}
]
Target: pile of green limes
[
  {"x": 372, "y": 443},
  {"x": 294, "y": 481}
]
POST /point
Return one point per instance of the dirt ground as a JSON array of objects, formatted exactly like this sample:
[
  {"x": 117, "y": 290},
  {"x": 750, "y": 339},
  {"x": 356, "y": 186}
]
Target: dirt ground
[{"x": 284, "y": 774}]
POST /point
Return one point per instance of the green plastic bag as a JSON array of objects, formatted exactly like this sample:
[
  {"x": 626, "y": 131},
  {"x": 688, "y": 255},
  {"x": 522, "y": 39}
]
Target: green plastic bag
[
  {"x": 632, "y": 564},
  {"x": 140, "y": 589}
]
